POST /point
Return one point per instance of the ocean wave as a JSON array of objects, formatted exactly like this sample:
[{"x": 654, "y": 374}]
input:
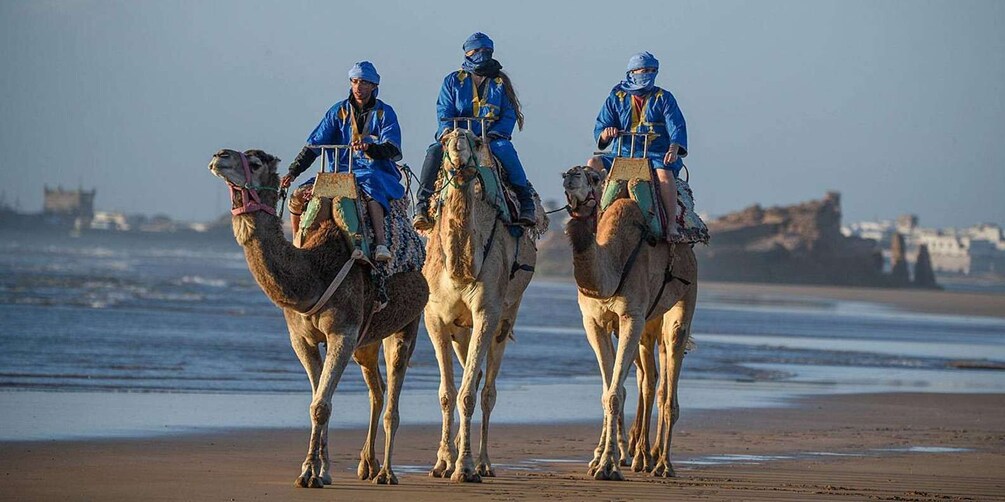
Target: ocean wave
[{"x": 204, "y": 281}]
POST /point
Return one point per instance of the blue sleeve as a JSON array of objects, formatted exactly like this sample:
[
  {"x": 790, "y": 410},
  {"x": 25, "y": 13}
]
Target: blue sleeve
[
  {"x": 445, "y": 108},
  {"x": 327, "y": 132},
  {"x": 676, "y": 128},
  {"x": 503, "y": 126},
  {"x": 390, "y": 131},
  {"x": 608, "y": 117}
]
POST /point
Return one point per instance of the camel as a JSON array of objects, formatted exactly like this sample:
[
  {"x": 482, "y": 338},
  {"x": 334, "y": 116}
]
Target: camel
[
  {"x": 477, "y": 273},
  {"x": 626, "y": 279},
  {"x": 295, "y": 280}
]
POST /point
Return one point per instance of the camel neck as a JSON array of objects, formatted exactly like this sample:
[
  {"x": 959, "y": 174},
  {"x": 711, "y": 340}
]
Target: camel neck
[{"x": 287, "y": 275}]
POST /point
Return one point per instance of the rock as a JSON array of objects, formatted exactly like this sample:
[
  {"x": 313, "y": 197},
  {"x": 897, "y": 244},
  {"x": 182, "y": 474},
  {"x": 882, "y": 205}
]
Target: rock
[
  {"x": 898, "y": 261},
  {"x": 924, "y": 276}
]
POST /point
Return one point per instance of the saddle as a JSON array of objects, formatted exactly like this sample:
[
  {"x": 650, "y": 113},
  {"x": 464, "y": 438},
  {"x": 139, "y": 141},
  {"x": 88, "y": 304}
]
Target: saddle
[
  {"x": 336, "y": 197},
  {"x": 634, "y": 178}
]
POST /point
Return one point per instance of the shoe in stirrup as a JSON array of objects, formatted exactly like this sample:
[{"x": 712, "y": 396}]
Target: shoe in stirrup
[
  {"x": 381, "y": 253},
  {"x": 421, "y": 221}
]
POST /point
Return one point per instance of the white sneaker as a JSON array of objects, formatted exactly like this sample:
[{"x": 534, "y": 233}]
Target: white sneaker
[{"x": 381, "y": 253}]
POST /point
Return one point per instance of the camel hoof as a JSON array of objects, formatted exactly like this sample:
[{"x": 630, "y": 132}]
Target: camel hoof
[
  {"x": 301, "y": 482},
  {"x": 367, "y": 470},
  {"x": 326, "y": 479},
  {"x": 663, "y": 470},
  {"x": 485, "y": 471},
  {"x": 442, "y": 469},
  {"x": 315, "y": 482},
  {"x": 465, "y": 476},
  {"x": 385, "y": 478},
  {"x": 608, "y": 473},
  {"x": 642, "y": 463}
]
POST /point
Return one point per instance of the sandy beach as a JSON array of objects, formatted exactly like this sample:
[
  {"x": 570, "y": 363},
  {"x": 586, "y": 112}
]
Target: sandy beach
[{"x": 854, "y": 447}]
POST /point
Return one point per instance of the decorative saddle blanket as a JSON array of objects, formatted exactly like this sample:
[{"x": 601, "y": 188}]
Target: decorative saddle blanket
[{"x": 407, "y": 249}]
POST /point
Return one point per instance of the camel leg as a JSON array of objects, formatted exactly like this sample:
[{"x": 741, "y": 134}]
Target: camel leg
[
  {"x": 337, "y": 355},
  {"x": 629, "y": 334},
  {"x": 646, "y": 367},
  {"x": 633, "y": 433},
  {"x": 677, "y": 327},
  {"x": 310, "y": 358},
  {"x": 486, "y": 326},
  {"x": 661, "y": 392},
  {"x": 439, "y": 334},
  {"x": 496, "y": 350},
  {"x": 397, "y": 352},
  {"x": 600, "y": 341},
  {"x": 366, "y": 357}
]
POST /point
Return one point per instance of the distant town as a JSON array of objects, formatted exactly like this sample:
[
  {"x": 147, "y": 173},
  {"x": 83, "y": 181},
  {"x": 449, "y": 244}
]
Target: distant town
[{"x": 802, "y": 243}]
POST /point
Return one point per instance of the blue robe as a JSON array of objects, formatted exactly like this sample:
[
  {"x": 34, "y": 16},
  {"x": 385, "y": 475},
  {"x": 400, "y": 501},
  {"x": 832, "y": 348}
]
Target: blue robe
[
  {"x": 660, "y": 114},
  {"x": 457, "y": 99},
  {"x": 378, "y": 179}
]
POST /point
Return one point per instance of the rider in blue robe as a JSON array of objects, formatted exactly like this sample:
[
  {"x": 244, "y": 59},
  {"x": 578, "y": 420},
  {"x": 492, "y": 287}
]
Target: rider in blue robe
[
  {"x": 371, "y": 127},
  {"x": 494, "y": 99},
  {"x": 637, "y": 105}
]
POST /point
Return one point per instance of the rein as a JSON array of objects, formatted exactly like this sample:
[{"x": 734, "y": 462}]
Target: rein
[{"x": 249, "y": 194}]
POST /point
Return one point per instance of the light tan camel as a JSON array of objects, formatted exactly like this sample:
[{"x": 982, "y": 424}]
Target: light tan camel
[
  {"x": 476, "y": 282},
  {"x": 626, "y": 279},
  {"x": 295, "y": 279}
]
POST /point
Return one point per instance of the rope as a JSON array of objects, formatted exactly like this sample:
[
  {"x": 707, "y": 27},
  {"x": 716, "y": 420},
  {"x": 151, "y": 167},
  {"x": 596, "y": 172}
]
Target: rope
[{"x": 563, "y": 208}]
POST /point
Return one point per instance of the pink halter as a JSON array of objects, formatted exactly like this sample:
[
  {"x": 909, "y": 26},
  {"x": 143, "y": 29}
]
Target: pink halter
[{"x": 249, "y": 197}]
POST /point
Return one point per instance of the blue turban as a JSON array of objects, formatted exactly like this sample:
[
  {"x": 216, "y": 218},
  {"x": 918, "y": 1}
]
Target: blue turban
[
  {"x": 364, "y": 70},
  {"x": 643, "y": 60},
  {"x": 478, "y": 40}
]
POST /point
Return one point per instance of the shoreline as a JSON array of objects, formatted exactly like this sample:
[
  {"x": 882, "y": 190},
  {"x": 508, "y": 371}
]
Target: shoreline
[
  {"x": 903, "y": 446},
  {"x": 984, "y": 304}
]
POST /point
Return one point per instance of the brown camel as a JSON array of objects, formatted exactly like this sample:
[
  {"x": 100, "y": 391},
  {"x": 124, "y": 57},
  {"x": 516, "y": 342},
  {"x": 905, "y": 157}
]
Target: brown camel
[
  {"x": 477, "y": 272},
  {"x": 295, "y": 280},
  {"x": 625, "y": 279}
]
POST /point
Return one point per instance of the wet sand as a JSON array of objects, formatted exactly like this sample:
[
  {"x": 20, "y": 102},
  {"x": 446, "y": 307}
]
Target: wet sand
[
  {"x": 923, "y": 301},
  {"x": 850, "y": 447}
]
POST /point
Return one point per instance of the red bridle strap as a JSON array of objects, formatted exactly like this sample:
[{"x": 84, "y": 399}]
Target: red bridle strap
[{"x": 249, "y": 197}]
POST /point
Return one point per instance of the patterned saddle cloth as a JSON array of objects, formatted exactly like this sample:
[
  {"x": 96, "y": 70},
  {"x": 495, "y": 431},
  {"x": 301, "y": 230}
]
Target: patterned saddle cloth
[
  {"x": 407, "y": 250},
  {"x": 691, "y": 227}
]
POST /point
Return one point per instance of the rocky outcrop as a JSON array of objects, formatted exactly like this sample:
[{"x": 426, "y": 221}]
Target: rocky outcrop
[
  {"x": 924, "y": 275},
  {"x": 801, "y": 244},
  {"x": 898, "y": 261}
]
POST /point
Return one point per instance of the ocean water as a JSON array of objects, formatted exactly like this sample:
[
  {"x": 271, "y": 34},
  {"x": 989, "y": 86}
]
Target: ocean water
[{"x": 100, "y": 319}]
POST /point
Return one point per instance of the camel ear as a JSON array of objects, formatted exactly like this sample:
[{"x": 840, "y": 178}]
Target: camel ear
[{"x": 595, "y": 176}]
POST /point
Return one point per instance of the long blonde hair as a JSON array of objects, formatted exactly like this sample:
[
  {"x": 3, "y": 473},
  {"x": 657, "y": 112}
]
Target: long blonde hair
[{"x": 511, "y": 94}]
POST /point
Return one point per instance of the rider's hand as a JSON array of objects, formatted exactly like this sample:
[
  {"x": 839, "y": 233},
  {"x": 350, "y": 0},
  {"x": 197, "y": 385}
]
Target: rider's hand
[
  {"x": 608, "y": 133},
  {"x": 671, "y": 156},
  {"x": 286, "y": 180},
  {"x": 359, "y": 146}
]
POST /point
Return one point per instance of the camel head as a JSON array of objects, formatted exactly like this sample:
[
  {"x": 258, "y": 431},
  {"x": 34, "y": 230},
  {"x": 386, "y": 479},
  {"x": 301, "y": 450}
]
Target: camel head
[
  {"x": 462, "y": 153},
  {"x": 256, "y": 188},
  {"x": 582, "y": 188}
]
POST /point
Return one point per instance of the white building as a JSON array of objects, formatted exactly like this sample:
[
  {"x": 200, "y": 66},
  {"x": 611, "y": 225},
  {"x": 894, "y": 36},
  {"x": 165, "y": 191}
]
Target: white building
[{"x": 979, "y": 249}]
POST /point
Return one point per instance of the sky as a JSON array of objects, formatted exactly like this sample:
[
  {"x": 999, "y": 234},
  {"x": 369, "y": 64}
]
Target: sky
[{"x": 899, "y": 105}]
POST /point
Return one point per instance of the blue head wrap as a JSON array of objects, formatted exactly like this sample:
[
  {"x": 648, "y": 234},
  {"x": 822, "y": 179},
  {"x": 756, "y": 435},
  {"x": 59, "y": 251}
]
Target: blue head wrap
[
  {"x": 481, "y": 61},
  {"x": 364, "y": 70},
  {"x": 640, "y": 82},
  {"x": 478, "y": 40}
]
